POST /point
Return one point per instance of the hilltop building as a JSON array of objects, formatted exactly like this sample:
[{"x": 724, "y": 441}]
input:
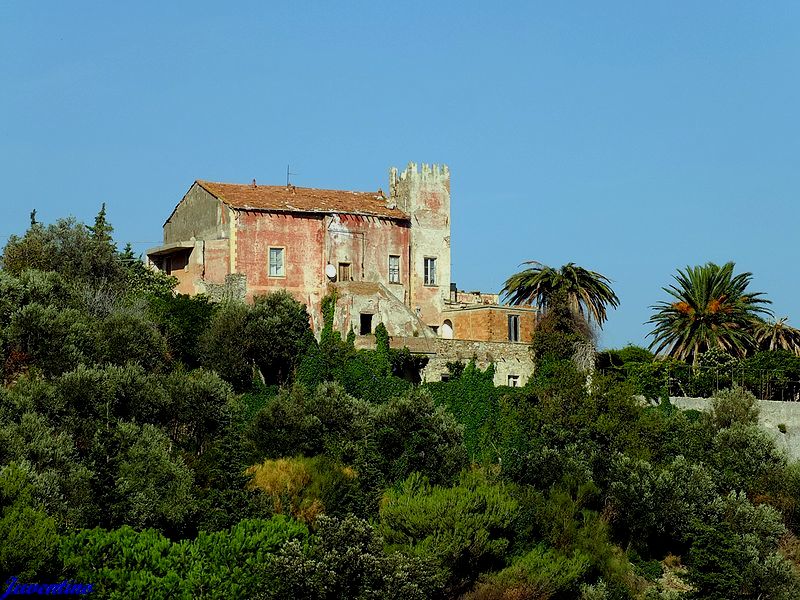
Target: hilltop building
[{"x": 386, "y": 254}]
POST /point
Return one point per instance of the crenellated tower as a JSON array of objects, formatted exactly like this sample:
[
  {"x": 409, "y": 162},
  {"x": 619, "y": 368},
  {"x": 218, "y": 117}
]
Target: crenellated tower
[{"x": 425, "y": 195}]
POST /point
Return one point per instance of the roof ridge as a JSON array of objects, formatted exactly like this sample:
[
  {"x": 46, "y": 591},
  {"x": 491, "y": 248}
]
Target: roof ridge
[{"x": 378, "y": 192}]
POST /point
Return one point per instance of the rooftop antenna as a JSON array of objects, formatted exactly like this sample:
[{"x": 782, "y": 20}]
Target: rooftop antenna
[{"x": 287, "y": 175}]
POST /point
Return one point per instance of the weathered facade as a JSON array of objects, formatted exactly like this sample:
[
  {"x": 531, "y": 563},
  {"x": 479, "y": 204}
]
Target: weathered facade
[
  {"x": 387, "y": 255},
  {"x": 491, "y": 323}
]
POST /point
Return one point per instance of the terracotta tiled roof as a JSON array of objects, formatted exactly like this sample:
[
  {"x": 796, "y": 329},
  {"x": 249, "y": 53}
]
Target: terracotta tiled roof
[{"x": 297, "y": 199}]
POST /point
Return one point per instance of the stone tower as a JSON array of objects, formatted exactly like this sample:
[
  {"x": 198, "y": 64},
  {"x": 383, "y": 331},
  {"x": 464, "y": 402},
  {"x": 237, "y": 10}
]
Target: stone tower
[{"x": 425, "y": 196}]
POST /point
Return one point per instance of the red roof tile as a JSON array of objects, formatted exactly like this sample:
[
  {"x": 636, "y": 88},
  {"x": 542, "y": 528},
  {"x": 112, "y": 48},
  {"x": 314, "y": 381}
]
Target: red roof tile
[{"x": 297, "y": 199}]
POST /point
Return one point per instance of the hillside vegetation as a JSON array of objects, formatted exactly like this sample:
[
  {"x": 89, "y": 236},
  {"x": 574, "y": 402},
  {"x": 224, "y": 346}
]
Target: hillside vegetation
[{"x": 161, "y": 446}]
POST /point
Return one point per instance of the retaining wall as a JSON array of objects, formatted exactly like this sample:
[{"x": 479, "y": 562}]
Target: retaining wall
[{"x": 771, "y": 415}]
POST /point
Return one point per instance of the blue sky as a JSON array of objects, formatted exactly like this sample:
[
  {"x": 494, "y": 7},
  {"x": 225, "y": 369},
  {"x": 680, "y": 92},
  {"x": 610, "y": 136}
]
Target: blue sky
[{"x": 631, "y": 138}]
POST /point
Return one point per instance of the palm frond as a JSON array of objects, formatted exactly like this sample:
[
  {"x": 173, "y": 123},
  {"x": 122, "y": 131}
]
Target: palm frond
[
  {"x": 710, "y": 307},
  {"x": 588, "y": 292}
]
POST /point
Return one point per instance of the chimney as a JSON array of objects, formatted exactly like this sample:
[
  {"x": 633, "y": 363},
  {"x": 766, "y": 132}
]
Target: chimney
[{"x": 390, "y": 203}]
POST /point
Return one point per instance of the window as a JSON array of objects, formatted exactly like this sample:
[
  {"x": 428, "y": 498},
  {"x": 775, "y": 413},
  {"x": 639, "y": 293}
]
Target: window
[
  {"x": 366, "y": 324},
  {"x": 394, "y": 269},
  {"x": 345, "y": 272},
  {"x": 513, "y": 328},
  {"x": 430, "y": 271},
  {"x": 513, "y": 381},
  {"x": 276, "y": 262}
]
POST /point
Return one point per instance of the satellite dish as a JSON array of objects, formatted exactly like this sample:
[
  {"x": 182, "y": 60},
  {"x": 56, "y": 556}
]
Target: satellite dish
[{"x": 330, "y": 271}]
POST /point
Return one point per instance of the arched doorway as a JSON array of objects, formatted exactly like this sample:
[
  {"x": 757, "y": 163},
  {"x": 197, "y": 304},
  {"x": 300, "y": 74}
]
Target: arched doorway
[{"x": 447, "y": 329}]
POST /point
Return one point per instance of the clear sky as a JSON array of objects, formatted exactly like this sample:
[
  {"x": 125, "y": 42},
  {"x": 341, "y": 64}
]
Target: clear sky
[{"x": 631, "y": 138}]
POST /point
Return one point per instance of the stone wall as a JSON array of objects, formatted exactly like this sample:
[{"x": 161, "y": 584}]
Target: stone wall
[
  {"x": 508, "y": 358},
  {"x": 234, "y": 288},
  {"x": 469, "y": 298},
  {"x": 771, "y": 415}
]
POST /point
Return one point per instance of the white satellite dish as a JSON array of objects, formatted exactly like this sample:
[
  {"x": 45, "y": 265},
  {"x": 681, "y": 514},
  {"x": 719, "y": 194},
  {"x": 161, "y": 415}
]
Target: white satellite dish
[{"x": 330, "y": 271}]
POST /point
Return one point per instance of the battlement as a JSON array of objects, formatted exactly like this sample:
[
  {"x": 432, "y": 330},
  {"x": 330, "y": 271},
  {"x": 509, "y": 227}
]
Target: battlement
[{"x": 432, "y": 173}]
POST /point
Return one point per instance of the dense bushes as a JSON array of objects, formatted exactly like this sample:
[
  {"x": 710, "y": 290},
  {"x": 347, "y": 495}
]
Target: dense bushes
[
  {"x": 465, "y": 529},
  {"x": 125, "y": 563},
  {"x": 268, "y": 336},
  {"x": 345, "y": 559},
  {"x": 163, "y": 446}
]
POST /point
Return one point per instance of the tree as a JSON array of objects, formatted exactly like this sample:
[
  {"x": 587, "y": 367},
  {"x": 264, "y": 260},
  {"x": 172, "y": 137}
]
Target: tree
[
  {"x": 275, "y": 337},
  {"x": 28, "y": 537},
  {"x": 130, "y": 338},
  {"x": 222, "y": 346},
  {"x": 710, "y": 308},
  {"x": 271, "y": 336},
  {"x": 588, "y": 292},
  {"x": 466, "y": 529},
  {"x": 413, "y": 435},
  {"x": 734, "y": 554},
  {"x": 561, "y": 333},
  {"x": 141, "y": 481},
  {"x": 68, "y": 247},
  {"x": 777, "y": 335},
  {"x": 58, "y": 479},
  {"x": 345, "y": 559}
]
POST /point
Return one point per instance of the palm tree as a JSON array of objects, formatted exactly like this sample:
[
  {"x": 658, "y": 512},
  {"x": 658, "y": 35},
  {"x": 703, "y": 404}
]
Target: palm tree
[
  {"x": 587, "y": 292},
  {"x": 777, "y": 335},
  {"x": 711, "y": 308}
]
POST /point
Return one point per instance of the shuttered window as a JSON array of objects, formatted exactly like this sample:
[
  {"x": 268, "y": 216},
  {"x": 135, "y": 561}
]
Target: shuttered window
[
  {"x": 430, "y": 271},
  {"x": 345, "y": 272},
  {"x": 394, "y": 269},
  {"x": 276, "y": 262}
]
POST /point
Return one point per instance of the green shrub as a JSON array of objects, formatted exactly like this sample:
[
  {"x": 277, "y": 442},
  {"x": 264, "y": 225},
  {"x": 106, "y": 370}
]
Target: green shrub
[
  {"x": 124, "y": 563},
  {"x": 128, "y": 338},
  {"x": 746, "y": 458},
  {"x": 466, "y": 528},
  {"x": 733, "y": 553},
  {"x": 28, "y": 536},
  {"x": 345, "y": 559},
  {"x": 735, "y": 405},
  {"x": 410, "y": 434},
  {"x": 540, "y": 573}
]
